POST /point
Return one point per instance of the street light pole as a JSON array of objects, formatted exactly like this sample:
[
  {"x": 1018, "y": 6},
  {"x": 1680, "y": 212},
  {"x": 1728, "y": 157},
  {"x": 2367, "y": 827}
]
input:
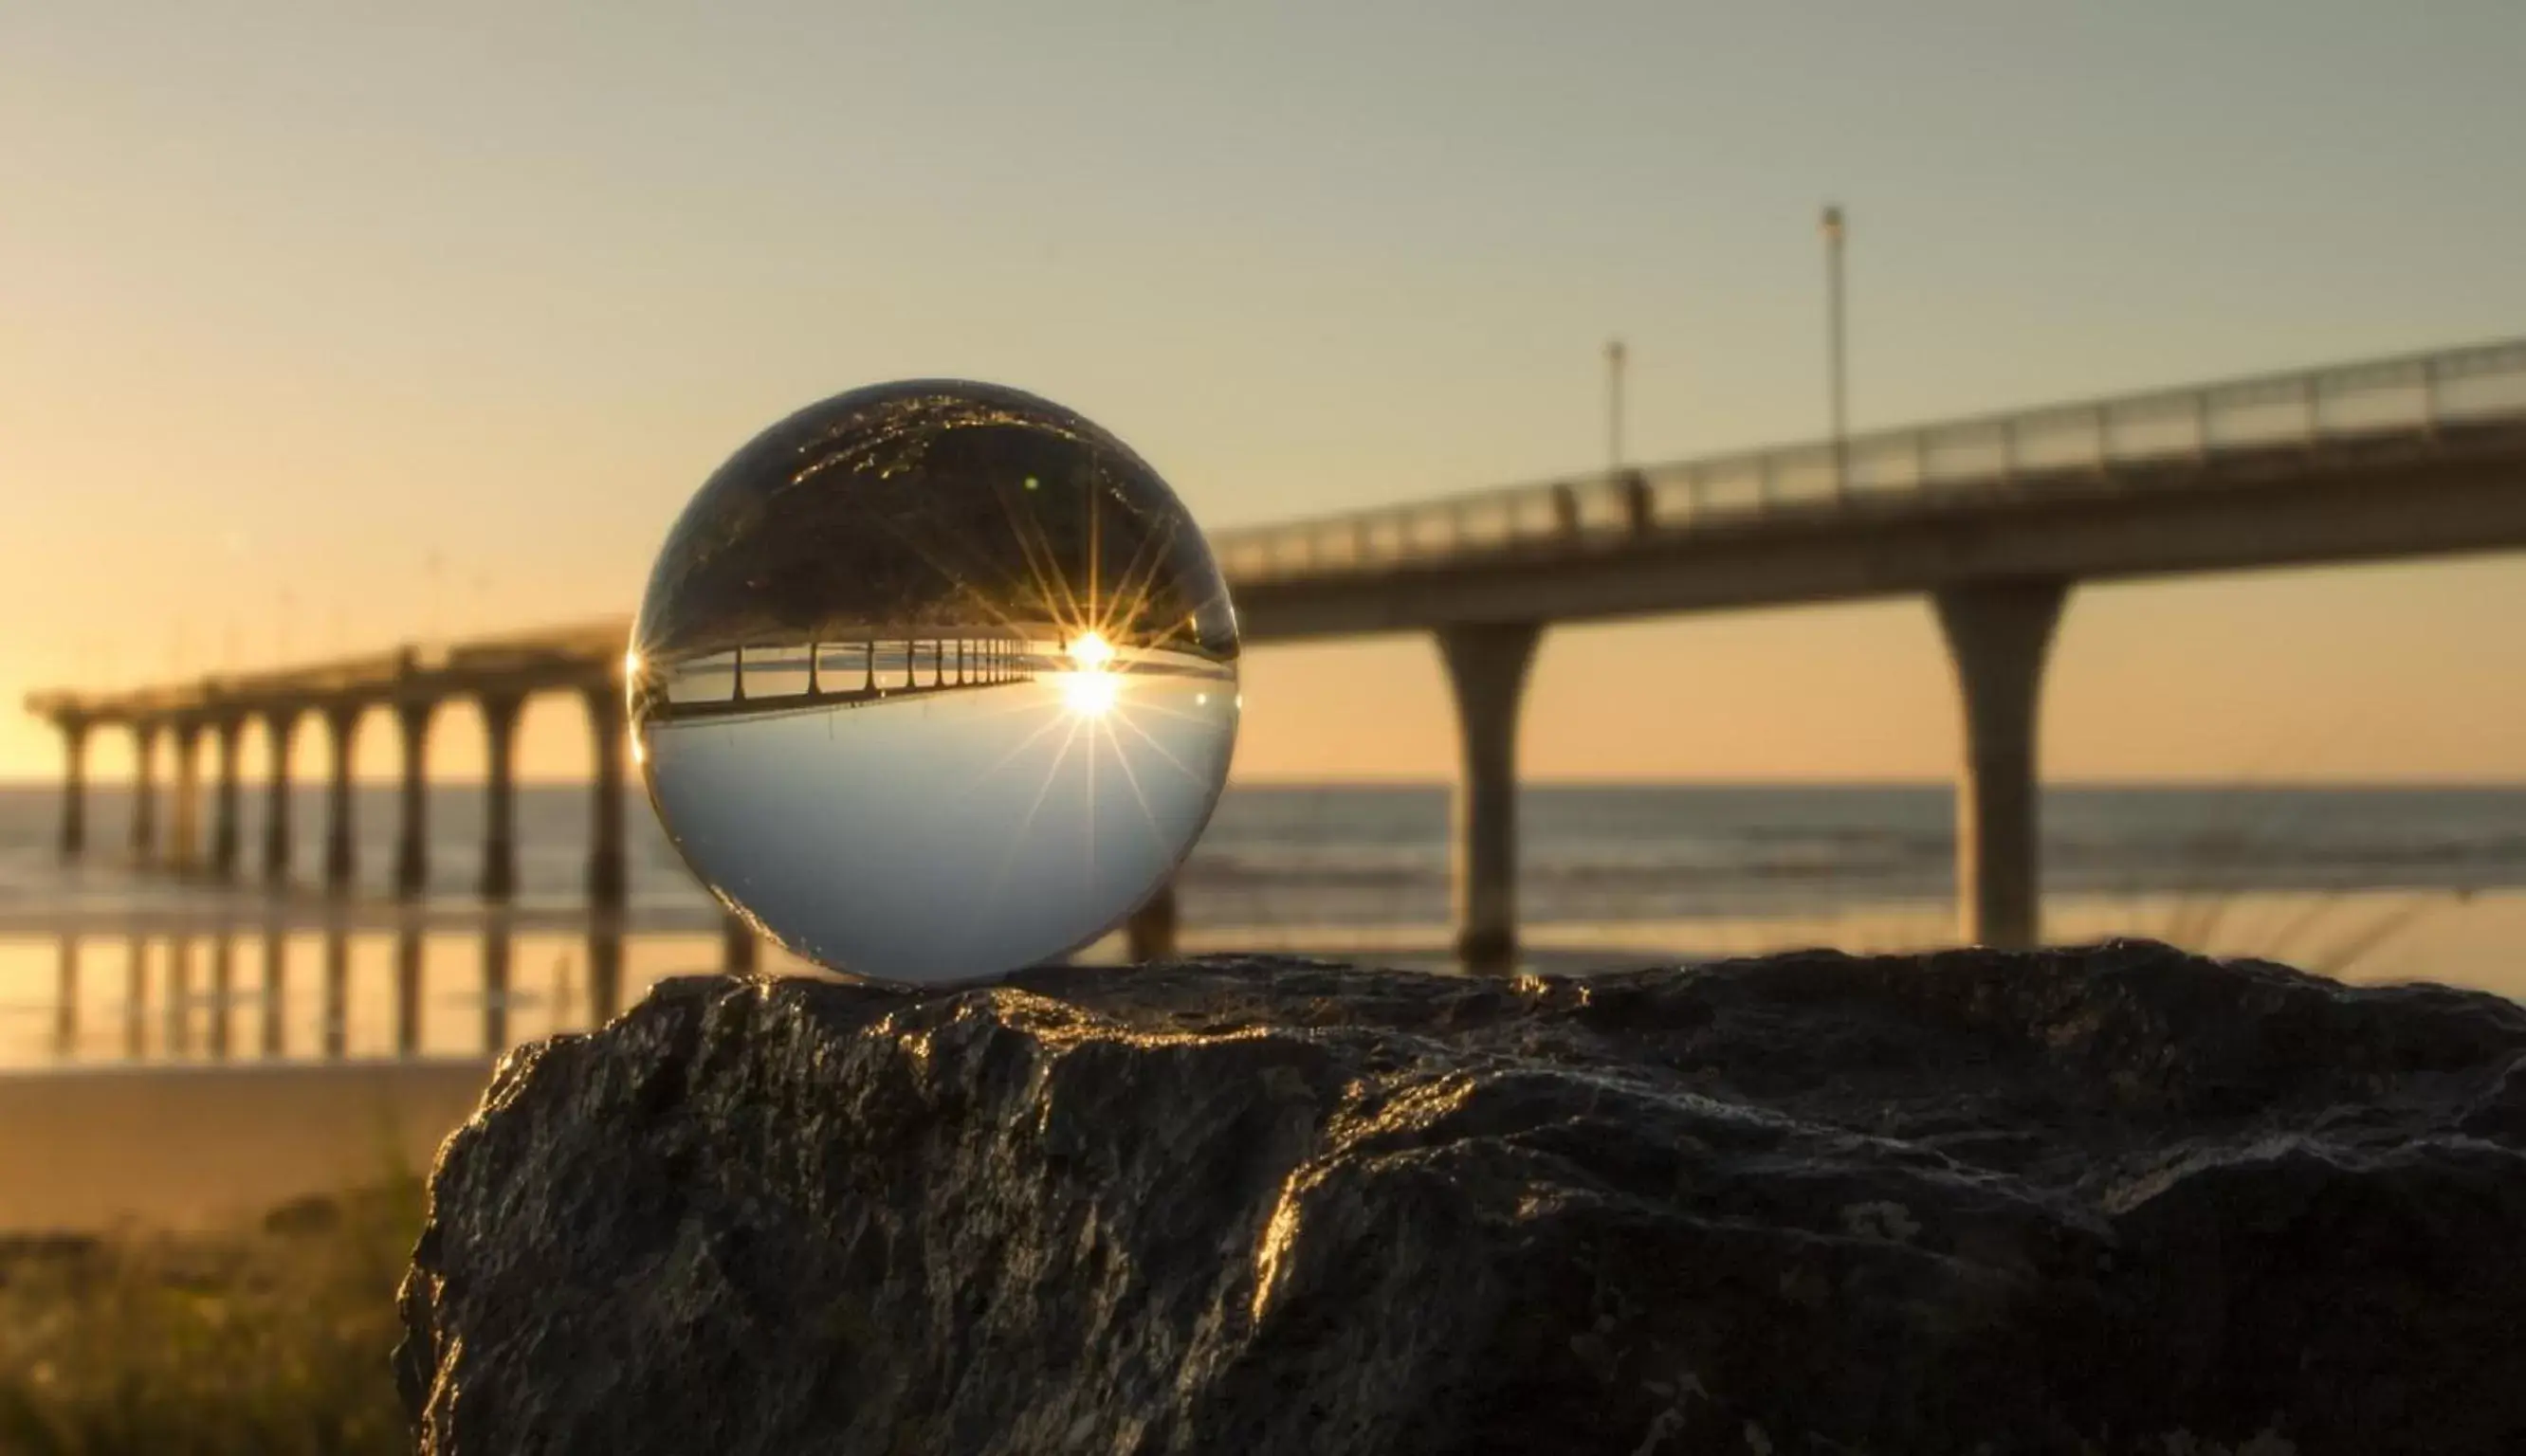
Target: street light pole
[
  {"x": 1615, "y": 358},
  {"x": 1835, "y": 357},
  {"x": 433, "y": 567}
]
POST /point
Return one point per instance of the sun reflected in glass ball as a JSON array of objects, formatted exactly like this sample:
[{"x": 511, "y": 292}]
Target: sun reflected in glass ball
[{"x": 934, "y": 680}]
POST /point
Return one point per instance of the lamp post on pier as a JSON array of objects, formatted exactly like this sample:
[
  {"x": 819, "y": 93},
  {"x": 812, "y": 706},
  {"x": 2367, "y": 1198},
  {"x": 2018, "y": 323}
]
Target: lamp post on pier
[
  {"x": 1616, "y": 357},
  {"x": 1835, "y": 357}
]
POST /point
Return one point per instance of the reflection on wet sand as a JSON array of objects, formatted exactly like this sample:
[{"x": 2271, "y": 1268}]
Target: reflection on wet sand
[
  {"x": 275, "y": 991},
  {"x": 223, "y": 988},
  {"x": 180, "y": 994},
  {"x": 66, "y": 998},
  {"x": 495, "y": 985},
  {"x": 407, "y": 980},
  {"x": 337, "y": 984},
  {"x": 221, "y": 992},
  {"x": 135, "y": 997}
]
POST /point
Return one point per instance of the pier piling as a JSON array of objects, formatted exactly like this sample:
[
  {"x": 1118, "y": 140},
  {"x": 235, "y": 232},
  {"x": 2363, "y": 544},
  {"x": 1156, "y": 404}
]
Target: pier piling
[
  {"x": 280, "y": 728},
  {"x": 412, "y": 843},
  {"x": 500, "y": 712},
  {"x": 228, "y": 738},
  {"x": 1998, "y": 635},
  {"x": 1487, "y": 666}
]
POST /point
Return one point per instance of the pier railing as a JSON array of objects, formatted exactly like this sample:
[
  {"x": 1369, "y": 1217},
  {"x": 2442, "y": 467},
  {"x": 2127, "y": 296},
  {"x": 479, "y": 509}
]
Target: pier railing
[{"x": 2420, "y": 397}]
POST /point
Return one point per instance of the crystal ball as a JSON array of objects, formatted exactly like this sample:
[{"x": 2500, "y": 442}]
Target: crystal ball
[{"x": 934, "y": 680}]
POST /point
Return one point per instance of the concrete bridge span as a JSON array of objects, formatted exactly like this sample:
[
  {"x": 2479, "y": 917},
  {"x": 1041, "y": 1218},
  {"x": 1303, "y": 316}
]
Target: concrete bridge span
[{"x": 1994, "y": 519}]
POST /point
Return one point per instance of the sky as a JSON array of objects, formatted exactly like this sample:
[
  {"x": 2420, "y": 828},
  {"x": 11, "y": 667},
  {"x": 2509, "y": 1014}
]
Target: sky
[{"x": 330, "y": 326}]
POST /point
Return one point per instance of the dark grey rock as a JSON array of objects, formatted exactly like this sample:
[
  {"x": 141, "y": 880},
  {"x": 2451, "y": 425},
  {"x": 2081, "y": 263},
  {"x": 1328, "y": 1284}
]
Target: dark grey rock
[{"x": 2105, "y": 1201}]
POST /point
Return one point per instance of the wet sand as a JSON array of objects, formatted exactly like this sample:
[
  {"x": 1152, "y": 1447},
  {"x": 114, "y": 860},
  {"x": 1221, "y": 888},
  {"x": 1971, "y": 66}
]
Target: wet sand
[{"x": 197, "y": 1148}]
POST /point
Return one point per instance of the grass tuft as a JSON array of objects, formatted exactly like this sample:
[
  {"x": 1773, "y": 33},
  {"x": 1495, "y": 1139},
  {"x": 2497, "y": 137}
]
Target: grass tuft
[{"x": 272, "y": 1339}]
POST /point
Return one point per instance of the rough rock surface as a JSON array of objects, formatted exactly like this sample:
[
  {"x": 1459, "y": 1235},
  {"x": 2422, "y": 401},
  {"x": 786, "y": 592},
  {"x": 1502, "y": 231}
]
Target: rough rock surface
[{"x": 2104, "y": 1201}]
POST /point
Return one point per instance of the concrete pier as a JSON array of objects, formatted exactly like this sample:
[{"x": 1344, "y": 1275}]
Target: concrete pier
[
  {"x": 1150, "y": 932},
  {"x": 739, "y": 952},
  {"x": 184, "y": 828},
  {"x": 2417, "y": 456},
  {"x": 144, "y": 791},
  {"x": 1487, "y": 666},
  {"x": 412, "y": 842},
  {"x": 500, "y": 712},
  {"x": 280, "y": 728},
  {"x": 228, "y": 738},
  {"x": 608, "y": 727},
  {"x": 605, "y": 970},
  {"x": 341, "y": 737},
  {"x": 73, "y": 787},
  {"x": 1998, "y": 637}
]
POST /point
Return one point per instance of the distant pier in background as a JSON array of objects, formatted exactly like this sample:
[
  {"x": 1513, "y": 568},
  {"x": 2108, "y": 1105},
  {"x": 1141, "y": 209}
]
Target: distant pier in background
[{"x": 1993, "y": 519}]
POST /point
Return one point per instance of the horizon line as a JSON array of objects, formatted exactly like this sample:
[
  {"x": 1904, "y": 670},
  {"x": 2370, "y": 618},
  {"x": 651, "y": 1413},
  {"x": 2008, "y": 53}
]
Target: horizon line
[{"x": 250, "y": 782}]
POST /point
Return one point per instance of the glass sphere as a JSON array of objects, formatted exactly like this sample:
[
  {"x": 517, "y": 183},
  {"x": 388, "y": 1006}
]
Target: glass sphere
[{"x": 934, "y": 680}]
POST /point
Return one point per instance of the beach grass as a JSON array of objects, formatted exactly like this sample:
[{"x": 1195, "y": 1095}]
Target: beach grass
[{"x": 272, "y": 1339}]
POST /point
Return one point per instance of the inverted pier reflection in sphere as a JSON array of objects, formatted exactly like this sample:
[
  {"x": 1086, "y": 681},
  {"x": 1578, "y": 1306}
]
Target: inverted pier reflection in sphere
[{"x": 1015, "y": 792}]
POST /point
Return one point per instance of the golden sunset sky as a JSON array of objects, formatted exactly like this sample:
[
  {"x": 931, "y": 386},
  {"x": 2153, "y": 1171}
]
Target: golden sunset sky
[{"x": 296, "y": 300}]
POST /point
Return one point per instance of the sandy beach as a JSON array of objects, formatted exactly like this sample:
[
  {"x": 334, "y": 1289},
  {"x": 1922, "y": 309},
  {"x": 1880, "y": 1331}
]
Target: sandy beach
[{"x": 195, "y": 1147}]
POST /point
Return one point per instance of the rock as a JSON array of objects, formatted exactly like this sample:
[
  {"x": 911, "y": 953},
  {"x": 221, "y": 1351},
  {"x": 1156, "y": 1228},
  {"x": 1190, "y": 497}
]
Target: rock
[{"x": 2107, "y": 1200}]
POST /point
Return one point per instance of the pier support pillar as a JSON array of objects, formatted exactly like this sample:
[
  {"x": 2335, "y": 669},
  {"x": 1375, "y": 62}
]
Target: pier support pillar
[
  {"x": 1487, "y": 667},
  {"x": 412, "y": 843},
  {"x": 606, "y": 714},
  {"x": 341, "y": 736},
  {"x": 739, "y": 952},
  {"x": 1150, "y": 932},
  {"x": 280, "y": 728},
  {"x": 500, "y": 795},
  {"x": 74, "y": 787},
  {"x": 1998, "y": 635},
  {"x": 144, "y": 791},
  {"x": 184, "y": 827},
  {"x": 228, "y": 736},
  {"x": 605, "y": 970}
]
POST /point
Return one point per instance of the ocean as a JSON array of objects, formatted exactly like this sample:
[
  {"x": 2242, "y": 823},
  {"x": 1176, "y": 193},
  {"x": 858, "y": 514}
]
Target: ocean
[{"x": 2372, "y": 883}]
